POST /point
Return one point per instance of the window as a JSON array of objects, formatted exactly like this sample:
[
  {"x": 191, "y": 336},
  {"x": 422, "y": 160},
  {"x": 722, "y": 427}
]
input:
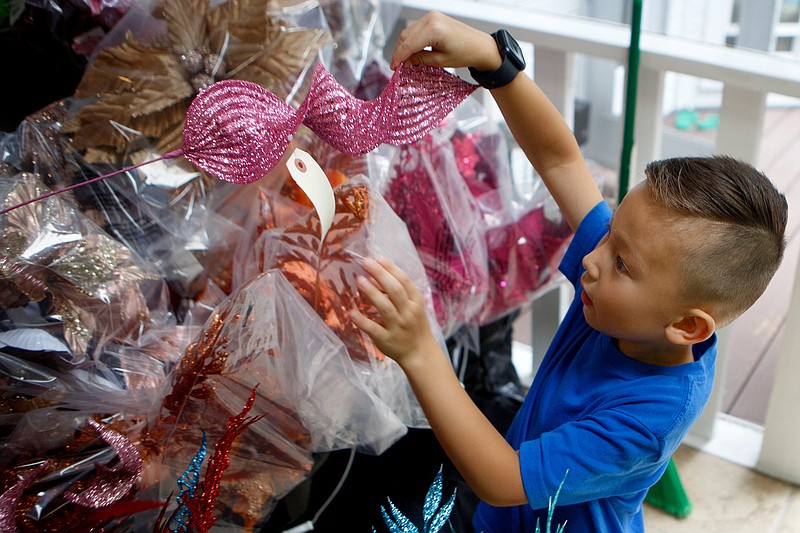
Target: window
[
  {"x": 784, "y": 44},
  {"x": 790, "y": 11}
]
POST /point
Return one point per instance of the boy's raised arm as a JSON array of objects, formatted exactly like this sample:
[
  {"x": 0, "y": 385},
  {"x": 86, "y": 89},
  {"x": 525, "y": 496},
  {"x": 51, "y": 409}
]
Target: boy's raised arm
[{"x": 536, "y": 124}]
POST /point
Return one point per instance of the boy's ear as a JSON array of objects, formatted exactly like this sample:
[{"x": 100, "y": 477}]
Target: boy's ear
[{"x": 695, "y": 327}]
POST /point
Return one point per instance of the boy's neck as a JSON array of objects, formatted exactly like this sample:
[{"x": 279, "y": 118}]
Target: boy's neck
[{"x": 669, "y": 355}]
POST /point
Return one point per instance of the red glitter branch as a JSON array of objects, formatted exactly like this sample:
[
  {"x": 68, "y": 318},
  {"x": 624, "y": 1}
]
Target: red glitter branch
[{"x": 202, "y": 506}]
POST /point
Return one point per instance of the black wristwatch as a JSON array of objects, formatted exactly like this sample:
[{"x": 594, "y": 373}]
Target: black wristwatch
[{"x": 513, "y": 63}]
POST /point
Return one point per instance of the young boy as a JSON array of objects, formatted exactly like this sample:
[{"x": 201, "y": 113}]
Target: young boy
[{"x": 632, "y": 364}]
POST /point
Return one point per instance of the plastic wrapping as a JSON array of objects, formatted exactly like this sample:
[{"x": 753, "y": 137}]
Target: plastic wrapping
[
  {"x": 85, "y": 331},
  {"x": 445, "y": 224},
  {"x": 489, "y": 244},
  {"x": 363, "y": 226},
  {"x": 158, "y": 211},
  {"x": 79, "y": 23},
  {"x": 312, "y": 396},
  {"x": 525, "y": 234},
  {"x": 161, "y": 54},
  {"x": 360, "y": 30},
  {"x": 523, "y": 257},
  {"x": 95, "y": 282}
]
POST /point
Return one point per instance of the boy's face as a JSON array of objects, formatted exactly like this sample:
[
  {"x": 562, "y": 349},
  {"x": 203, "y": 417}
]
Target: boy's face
[{"x": 631, "y": 287}]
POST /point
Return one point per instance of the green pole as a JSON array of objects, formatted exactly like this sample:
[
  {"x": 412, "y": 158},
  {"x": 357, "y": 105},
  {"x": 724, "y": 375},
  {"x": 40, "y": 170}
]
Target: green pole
[{"x": 630, "y": 100}]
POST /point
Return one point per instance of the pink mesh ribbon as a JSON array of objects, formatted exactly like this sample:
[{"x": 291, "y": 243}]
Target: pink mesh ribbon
[{"x": 238, "y": 131}]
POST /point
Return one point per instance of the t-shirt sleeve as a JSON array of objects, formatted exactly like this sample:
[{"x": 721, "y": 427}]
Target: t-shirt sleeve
[
  {"x": 591, "y": 229},
  {"x": 604, "y": 455}
]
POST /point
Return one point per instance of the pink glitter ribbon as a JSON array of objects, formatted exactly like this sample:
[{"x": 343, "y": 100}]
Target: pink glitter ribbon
[
  {"x": 110, "y": 484},
  {"x": 238, "y": 131},
  {"x": 241, "y": 143}
]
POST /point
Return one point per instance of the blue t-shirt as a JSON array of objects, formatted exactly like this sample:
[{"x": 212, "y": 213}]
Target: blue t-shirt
[{"x": 609, "y": 420}]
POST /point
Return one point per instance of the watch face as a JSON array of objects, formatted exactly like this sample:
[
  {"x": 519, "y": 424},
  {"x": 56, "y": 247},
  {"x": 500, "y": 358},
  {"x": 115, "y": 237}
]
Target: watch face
[{"x": 511, "y": 48}]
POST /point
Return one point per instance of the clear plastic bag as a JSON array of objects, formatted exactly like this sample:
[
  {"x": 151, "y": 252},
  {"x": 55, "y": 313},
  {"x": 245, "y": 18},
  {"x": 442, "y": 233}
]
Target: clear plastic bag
[
  {"x": 312, "y": 396},
  {"x": 363, "y": 226},
  {"x": 428, "y": 193},
  {"x": 85, "y": 327},
  {"x": 361, "y": 31},
  {"x": 158, "y": 211},
  {"x": 524, "y": 234},
  {"x": 98, "y": 287}
]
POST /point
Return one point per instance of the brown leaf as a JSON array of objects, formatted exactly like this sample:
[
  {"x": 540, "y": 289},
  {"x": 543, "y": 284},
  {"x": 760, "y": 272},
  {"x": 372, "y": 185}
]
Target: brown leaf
[
  {"x": 272, "y": 63},
  {"x": 92, "y": 126},
  {"x": 186, "y": 24},
  {"x": 151, "y": 77},
  {"x": 171, "y": 139},
  {"x": 156, "y": 124},
  {"x": 101, "y": 156},
  {"x": 150, "y": 104},
  {"x": 129, "y": 68},
  {"x": 245, "y": 20}
]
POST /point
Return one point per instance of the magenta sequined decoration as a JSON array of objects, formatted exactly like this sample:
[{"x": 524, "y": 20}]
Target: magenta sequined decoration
[
  {"x": 110, "y": 484},
  {"x": 523, "y": 257},
  {"x": 444, "y": 242},
  {"x": 238, "y": 131},
  {"x": 9, "y": 499}
]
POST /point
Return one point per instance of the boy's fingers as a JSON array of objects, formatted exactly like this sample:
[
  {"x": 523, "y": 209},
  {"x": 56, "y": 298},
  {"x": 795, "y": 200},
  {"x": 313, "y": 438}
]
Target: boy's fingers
[
  {"x": 381, "y": 301},
  {"x": 388, "y": 278},
  {"x": 409, "y": 43},
  {"x": 409, "y": 289},
  {"x": 370, "y": 327}
]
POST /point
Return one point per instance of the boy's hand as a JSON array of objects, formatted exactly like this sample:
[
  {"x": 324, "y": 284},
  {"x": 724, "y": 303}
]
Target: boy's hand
[
  {"x": 441, "y": 41},
  {"x": 405, "y": 333}
]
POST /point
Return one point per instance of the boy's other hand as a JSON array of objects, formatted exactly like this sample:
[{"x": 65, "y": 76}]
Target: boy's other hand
[
  {"x": 404, "y": 333},
  {"x": 441, "y": 41}
]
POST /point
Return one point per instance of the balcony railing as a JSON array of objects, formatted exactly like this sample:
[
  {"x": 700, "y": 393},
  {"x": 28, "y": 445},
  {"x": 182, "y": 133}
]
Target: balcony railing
[{"x": 747, "y": 78}]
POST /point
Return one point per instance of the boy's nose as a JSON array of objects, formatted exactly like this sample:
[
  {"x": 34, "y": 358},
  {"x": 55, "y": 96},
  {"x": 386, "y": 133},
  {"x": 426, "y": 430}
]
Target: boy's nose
[{"x": 590, "y": 264}]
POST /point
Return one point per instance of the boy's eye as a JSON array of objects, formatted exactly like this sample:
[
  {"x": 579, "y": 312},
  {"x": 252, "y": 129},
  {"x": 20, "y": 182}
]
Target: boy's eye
[{"x": 619, "y": 264}]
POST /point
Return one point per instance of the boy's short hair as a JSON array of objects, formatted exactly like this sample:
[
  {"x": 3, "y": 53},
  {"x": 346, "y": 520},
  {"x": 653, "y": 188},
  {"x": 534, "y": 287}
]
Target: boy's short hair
[{"x": 730, "y": 262}]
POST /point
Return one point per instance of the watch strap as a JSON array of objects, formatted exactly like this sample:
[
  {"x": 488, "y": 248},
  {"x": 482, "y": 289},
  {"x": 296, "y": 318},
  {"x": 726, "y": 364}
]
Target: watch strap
[{"x": 502, "y": 75}]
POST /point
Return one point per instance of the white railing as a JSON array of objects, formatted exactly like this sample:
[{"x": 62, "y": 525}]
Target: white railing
[{"x": 747, "y": 78}]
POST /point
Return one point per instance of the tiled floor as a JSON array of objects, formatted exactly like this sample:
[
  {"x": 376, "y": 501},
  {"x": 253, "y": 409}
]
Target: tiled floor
[{"x": 728, "y": 498}]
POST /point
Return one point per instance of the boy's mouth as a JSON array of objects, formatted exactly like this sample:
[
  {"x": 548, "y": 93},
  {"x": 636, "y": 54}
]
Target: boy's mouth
[{"x": 585, "y": 298}]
